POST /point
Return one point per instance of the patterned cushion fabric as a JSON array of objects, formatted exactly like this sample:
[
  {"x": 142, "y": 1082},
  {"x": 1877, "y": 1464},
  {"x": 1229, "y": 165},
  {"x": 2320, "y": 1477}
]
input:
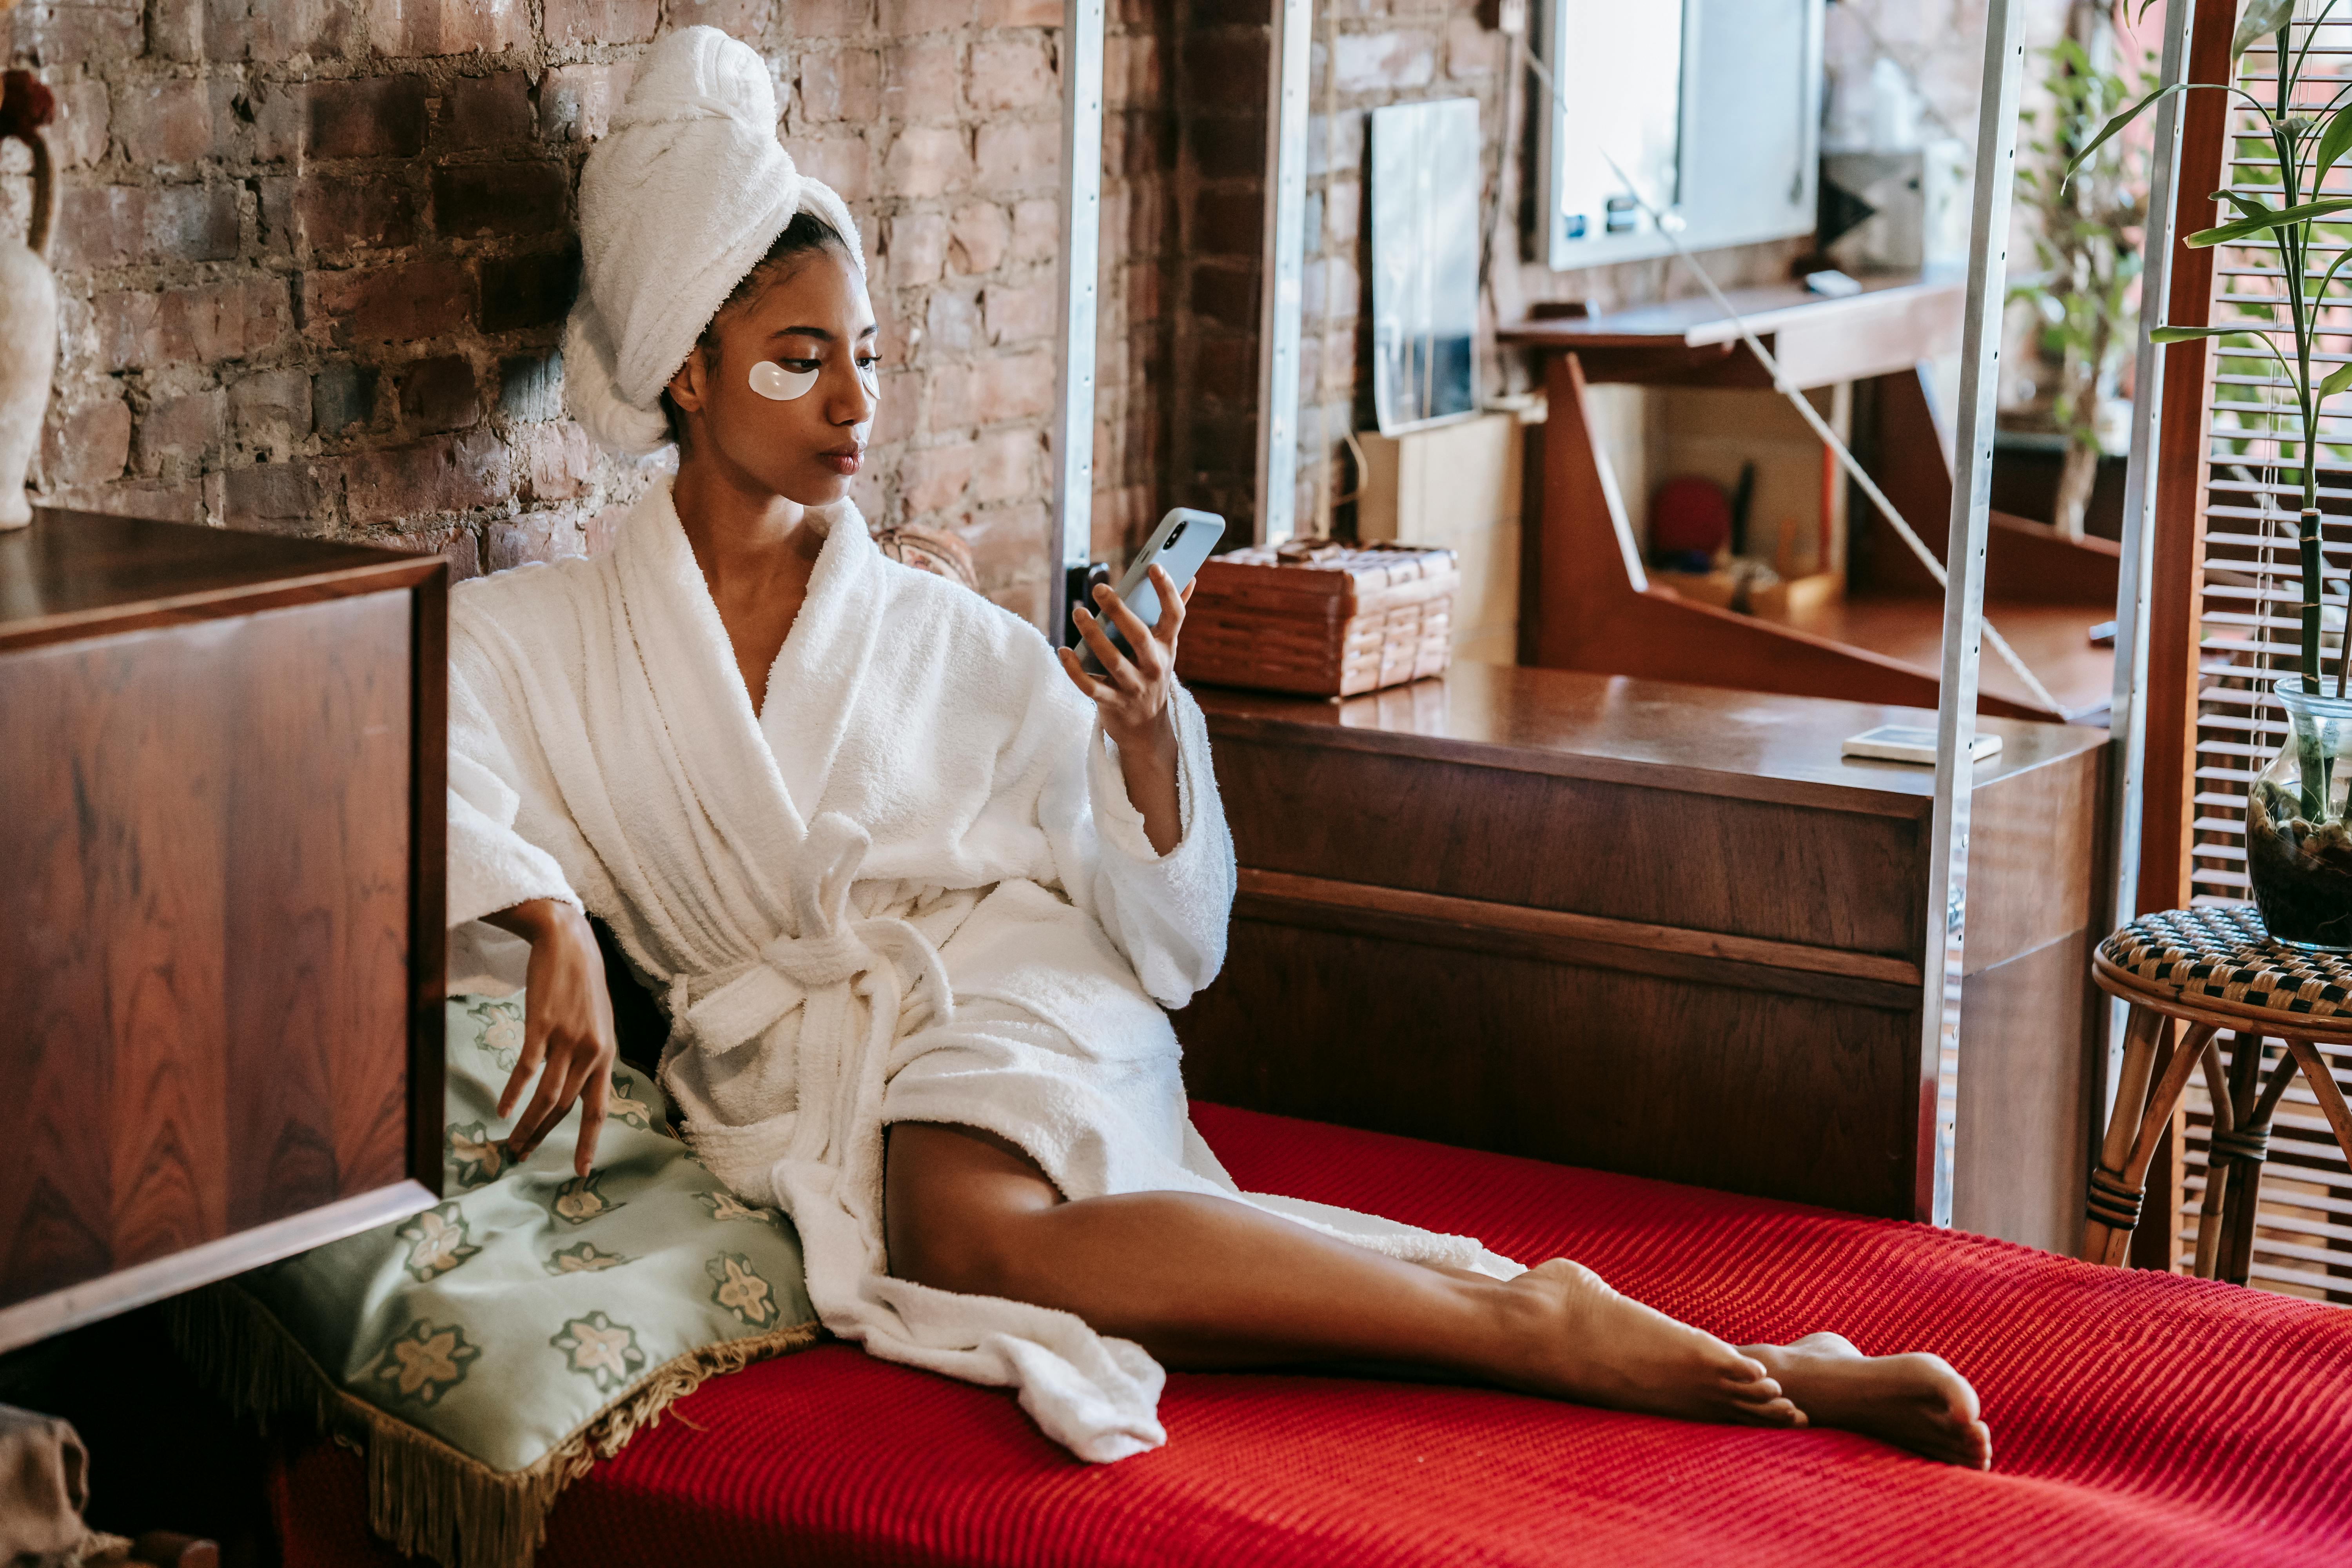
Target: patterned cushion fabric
[
  {"x": 489, "y": 1348},
  {"x": 2223, "y": 954},
  {"x": 2139, "y": 1419}
]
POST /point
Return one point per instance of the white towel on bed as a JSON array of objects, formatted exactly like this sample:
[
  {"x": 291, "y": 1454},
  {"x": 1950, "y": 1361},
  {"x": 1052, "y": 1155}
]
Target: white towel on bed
[{"x": 911, "y": 888}]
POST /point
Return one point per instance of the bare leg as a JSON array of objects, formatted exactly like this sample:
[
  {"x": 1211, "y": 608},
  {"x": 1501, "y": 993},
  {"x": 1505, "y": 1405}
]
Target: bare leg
[
  {"x": 1203, "y": 1282},
  {"x": 1915, "y": 1401}
]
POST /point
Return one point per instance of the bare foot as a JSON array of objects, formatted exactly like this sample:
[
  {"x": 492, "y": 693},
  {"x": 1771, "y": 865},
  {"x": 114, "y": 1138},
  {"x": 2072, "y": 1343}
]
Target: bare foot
[
  {"x": 1573, "y": 1337},
  {"x": 1915, "y": 1401}
]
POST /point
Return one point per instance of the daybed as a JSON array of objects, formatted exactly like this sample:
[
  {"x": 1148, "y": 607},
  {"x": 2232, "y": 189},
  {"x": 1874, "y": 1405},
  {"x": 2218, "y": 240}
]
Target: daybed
[{"x": 2139, "y": 1419}]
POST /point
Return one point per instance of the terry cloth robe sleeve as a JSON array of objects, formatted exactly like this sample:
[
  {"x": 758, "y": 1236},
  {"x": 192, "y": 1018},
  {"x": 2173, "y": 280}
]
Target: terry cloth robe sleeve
[
  {"x": 492, "y": 866},
  {"x": 1167, "y": 914}
]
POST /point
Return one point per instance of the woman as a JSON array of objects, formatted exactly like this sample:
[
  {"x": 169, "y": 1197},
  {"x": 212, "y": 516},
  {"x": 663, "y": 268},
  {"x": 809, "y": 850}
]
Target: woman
[{"x": 908, "y": 885}]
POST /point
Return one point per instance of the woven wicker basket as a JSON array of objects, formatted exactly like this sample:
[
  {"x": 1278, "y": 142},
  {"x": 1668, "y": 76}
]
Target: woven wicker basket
[{"x": 1327, "y": 620}]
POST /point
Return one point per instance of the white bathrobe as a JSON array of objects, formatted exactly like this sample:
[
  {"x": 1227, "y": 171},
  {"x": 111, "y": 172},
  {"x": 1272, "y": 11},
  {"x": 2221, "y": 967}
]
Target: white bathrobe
[{"x": 911, "y": 888}]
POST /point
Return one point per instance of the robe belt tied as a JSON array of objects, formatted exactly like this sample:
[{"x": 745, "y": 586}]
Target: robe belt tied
[{"x": 818, "y": 968}]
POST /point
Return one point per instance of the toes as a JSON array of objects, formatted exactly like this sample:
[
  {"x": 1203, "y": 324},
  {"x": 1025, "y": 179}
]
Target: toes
[{"x": 1772, "y": 1413}]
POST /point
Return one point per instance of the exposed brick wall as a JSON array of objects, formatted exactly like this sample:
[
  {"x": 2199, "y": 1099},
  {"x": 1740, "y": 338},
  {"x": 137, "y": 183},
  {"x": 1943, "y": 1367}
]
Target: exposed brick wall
[{"x": 314, "y": 259}]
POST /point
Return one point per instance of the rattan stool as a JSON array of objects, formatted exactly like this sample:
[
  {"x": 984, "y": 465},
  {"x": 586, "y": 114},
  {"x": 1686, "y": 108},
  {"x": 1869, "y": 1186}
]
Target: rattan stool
[{"x": 2212, "y": 969}]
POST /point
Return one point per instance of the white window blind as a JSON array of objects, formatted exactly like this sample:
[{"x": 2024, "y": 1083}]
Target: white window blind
[{"x": 2252, "y": 631}]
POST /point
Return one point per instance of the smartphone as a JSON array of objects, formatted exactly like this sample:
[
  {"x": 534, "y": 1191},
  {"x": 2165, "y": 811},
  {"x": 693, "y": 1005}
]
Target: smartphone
[{"x": 1180, "y": 542}]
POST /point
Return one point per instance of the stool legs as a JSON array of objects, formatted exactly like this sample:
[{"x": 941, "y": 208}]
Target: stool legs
[
  {"x": 2246, "y": 1146},
  {"x": 2119, "y": 1181},
  {"x": 2217, "y": 1167}
]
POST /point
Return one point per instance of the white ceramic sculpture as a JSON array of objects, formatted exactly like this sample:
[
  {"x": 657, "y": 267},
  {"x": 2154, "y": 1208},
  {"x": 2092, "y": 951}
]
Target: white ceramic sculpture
[{"x": 28, "y": 302}]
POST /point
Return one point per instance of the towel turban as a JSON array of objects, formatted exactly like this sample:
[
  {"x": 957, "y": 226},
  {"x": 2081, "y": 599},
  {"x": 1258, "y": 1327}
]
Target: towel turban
[{"x": 678, "y": 204}]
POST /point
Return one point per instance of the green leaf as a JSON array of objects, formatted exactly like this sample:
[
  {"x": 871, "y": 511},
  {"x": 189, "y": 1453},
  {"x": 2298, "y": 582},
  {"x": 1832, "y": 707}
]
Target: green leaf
[
  {"x": 2247, "y": 206},
  {"x": 2183, "y": 334},
  {"x": 2338, "y": 380},
  {"x": 2257, "y": 21},
  {"x": 2286, "y": 218},
  {"x": 2124, "y": 117},
  {"x": 2334, "y": 142}
]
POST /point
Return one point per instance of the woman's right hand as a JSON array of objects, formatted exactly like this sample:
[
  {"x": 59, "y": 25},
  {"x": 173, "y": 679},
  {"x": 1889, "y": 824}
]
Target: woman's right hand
[{"x": 567, "y": 1021}]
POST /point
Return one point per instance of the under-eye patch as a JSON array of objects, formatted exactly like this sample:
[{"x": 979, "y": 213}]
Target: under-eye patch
[
  {"x": 772, "y": 381},
  {"x": 869, "y": 372}
]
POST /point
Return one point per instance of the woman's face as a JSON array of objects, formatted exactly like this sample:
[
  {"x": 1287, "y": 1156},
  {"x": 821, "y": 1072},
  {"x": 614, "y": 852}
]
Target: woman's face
[{"x": 787, "y": 399}]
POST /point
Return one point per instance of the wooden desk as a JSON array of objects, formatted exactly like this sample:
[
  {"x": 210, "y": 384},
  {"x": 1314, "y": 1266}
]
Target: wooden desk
[
  {"x": 1588, "y": 603},
  {"x": 222, "y": 760},
  {"x": 1654, "y": 929}
]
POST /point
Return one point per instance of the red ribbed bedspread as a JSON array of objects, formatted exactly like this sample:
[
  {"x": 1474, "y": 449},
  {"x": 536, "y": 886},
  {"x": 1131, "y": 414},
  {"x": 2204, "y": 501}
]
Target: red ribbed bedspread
[{"x": 2137, "y": 1419}]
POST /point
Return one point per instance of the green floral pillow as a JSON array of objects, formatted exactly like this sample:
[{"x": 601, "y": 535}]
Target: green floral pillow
[{"x": 489, "y": 1349}]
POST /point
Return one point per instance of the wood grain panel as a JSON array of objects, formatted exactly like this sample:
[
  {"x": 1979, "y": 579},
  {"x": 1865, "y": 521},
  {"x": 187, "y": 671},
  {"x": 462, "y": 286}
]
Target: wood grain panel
[
  {"x": 1648, "y": 854},
  {"x": 1748, "y": 1092},
  {"x": 2039, "y": 846},
  {"x": 318, "y": 905},
  {"x": 216, "y": 1038}
]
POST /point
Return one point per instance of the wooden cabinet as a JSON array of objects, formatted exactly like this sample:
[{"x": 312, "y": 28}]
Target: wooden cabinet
[
  {"x": 1656, "y": 929},
  {"x": 221, "y": 821}
]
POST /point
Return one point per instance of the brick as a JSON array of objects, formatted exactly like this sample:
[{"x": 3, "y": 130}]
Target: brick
[
  {"x": 534, "y": 537},
  {"x": 576, "y": 103},
  {"x": 342, "y": 395},
  {"x": 448, "y": 26},
  {"x": 841, "y": 84},
  {"x": 521, "y": 292},
  {"x": 295, "y": 497},
  {"x": 951, "y": 323},
  {"x": 895, "y": 408},
  {"x": 337, "y": 215},
  {"x": 1008, "y": 544},
  {"x": 601, "y": 21},
  {"x": 746, "y": 19},
  {"x": 950, "y": 389},
  {"x": 1330, "y": 287},
  {"x": 1130, "y": 71},
  {"x": 1036, "y": 229},
  {"x": 78, "y": 135},
  {"x": 832, "y": 19},
  {"x": 486, "y": 111},
  {"x": 1231, "y": 146},
  {"x": 1228, "y": 221},
  {"x": 263, "y": 31},
  {"x": 440, "y": 394},
  {"x": 923, "y": 80},
  {"x": 384, "y": 117},
  {"x": 927, "y": 161},
  {"x": 978, "y": 239},
  {"x": 270, "y": 411},
  {"x": 166, "y": 120},
  {"x": 1019, "y": 386},
  {"x": 440, "y": 473},
  {"x": 182, "y": 430},
  {"x": 1018, "y": 314},
  {"x": 1013, "y": 153},
  {"x": 456, "y": 544},
  {"x": 556, "y": 460},
  {"x": 206, "y": 323},
  {"x": 1227, "y": 68},
  {"x": 1343, "y": 213},
  {"x": 1226, "y": 293},
  {"x": 530, "y": 386},
  {"x": 499, "y": 198},
  {"x": 86, "y": 444},
  {"x": 937, "y": 478},
  {"x": 1366, "y": 62},
  {"x": 1472, "y": 50},
  {"x": 1020, "y": 13},
  {"x": 903, "y": 18},
  {"x": 404, "y": 303},
  {"x": 601, "y": 530},
  {"x": 1010, "y": 464},
  {"x": 844, "y": 160},
  {"x": 113, "y": 226},
  {"x": 916, "y": 245},
  {"x": 80, "y": 32}
]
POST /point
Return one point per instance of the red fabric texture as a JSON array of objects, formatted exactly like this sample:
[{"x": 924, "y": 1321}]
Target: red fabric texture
[{"x": 2137, "y": 1419}]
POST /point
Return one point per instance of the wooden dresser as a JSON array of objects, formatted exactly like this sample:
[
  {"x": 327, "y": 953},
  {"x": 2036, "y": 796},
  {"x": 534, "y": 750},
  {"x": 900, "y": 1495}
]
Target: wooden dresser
[
  {"x": 1657, "y": 929},
  {"x": 220, "y": 820}
]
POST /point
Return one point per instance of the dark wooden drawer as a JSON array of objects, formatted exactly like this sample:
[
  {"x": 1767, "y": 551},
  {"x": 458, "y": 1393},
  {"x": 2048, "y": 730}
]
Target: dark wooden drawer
[{"x": 222, "y": 777}]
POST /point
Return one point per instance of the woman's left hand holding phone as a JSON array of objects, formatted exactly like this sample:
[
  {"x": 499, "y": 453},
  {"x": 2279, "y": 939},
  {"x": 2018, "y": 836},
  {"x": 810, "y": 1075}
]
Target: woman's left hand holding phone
[
  {"x": 568, "y": 1036},
  {"x": 1131, "y": 696}
]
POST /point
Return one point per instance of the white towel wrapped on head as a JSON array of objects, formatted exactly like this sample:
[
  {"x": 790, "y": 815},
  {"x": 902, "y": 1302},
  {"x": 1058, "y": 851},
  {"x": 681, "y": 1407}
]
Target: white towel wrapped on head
[{"x": 677, "y": 205}]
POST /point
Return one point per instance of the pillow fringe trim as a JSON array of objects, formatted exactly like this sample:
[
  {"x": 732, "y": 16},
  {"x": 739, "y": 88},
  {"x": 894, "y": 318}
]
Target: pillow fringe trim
[{"x": 424, "y": 1495}]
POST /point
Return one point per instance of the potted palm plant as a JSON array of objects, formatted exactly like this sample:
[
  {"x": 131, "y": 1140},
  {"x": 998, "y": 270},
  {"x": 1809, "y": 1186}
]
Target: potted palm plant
[{"x": 2299, "y": 843}]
